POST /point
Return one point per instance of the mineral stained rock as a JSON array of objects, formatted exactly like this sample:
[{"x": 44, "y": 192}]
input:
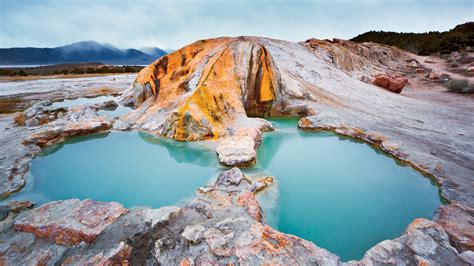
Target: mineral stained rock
[
  {"x": 458, "y": 221},
  {"x": 390, "y": 82},
  {"x": 69, "y": 222}
]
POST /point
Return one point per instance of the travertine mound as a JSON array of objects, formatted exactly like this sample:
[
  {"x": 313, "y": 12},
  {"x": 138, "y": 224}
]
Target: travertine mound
[
  {"x": 214, "y": 89},
  {"x": 204, "y": 90}
]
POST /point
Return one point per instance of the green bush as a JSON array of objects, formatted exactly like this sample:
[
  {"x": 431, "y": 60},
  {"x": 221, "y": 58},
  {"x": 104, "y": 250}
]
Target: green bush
[{"x": 460, "y": 86}]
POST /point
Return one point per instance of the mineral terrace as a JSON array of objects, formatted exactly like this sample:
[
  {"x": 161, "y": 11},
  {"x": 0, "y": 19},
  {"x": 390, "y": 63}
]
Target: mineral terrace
[{"x": 221, "y": 90}]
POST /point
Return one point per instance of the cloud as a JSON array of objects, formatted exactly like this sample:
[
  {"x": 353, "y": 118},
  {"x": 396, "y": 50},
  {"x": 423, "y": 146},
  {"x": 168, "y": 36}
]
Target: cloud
[{"x": 172, "y": 24}]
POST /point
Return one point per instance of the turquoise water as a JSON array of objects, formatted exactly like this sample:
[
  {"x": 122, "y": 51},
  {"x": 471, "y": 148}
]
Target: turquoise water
[
  {"x": 132, "y": 168},
  {"x": 338, "y": 193},
  {"x": 117, "y": 112}
]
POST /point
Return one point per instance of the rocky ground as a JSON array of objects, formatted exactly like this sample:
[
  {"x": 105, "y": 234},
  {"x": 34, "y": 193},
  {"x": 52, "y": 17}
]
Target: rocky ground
[
  {"x": 24, "y": 125},
  {"x": 18, "y": 95},
  {"x": 217, "y": 89}
]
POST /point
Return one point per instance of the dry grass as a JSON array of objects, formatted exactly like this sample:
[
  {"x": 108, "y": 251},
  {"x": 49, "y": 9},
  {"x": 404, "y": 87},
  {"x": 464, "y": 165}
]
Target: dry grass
[
  {"x": 34, "y": 77},
  {"x": 19, "y": 119}
]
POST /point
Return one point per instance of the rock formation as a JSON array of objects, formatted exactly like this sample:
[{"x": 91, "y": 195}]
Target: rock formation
[
  {"x": 224, "y": 224},
  {"x": 220, "y": 89}
]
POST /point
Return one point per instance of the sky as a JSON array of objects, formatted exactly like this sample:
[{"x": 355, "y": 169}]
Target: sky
[{"x": 173, "y": 24}]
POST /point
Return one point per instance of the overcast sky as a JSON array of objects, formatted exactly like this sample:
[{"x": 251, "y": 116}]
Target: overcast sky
[{"x": 173, "y": 24}]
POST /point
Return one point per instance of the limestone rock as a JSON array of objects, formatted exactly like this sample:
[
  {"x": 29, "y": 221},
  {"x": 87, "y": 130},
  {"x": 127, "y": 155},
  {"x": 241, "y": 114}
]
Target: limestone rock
[
  {"x": 24, "y": 249},
  {"x": 193, "y": 233},
  {"x": 458, "y": 221},
  {"x": 107, "y": 105},
  {"x": 78, "y": 121},
  {"x": 468, "y": 257},
  {"x": 413, "y": 64},
  {"x": 423, "y": 243},
  {"x": 231, "y": 177},
  {"x": 391, "y": 83},
  {"x": 119, "y": 255},
  {"x": 239, "y": 149},
  {"x": 70, "y": 222},
  {"x": 42, "y": 113},
  {"x": 15, "y": 207}
]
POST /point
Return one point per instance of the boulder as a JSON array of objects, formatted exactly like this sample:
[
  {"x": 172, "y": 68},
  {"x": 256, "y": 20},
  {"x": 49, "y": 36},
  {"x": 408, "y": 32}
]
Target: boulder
[
  {"x": 42, "y": 113},
  {"x": 413, "y": 64},
  {"x": 458, "y": 221},
  {"x": 434, "y": 75},
  {"x": 239, "y": 149},
  {"x": 391, "y": 83},
  {"x": 470, "y": 69},
  {"x": 70, "y": 222},
  {"x": 423, "y": 243}
]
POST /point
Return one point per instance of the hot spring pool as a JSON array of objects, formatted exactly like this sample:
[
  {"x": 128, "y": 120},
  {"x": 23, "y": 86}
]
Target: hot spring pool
[
  {"x": 339, "y": 193},
  {"x": 132, "y": 168}
]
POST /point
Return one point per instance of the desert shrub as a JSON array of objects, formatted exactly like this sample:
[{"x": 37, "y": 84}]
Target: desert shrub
[
  {"x": 19, "y": 119},
  {"x": 77, "y": 71},
  {"x": 460, "y": 86},
  {"x": 454, "y": 64},
  {"x": 22, "y": 73},
  {"x": 5, "y": 72},
  {"x": 462, "y": 36}
]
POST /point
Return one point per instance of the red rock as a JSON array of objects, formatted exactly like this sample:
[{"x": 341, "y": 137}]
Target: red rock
[
  {"x": 434, "y": 75},
  {"x": 458, "y": 222},
  {"x": 250, "y": 203},
  {"x": 70, "y": 222},
  {"x": 392, "y": 83}
]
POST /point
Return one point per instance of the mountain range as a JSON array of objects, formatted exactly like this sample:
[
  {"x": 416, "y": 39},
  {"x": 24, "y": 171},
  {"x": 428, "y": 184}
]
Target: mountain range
[{"x": 80, "y": 52}]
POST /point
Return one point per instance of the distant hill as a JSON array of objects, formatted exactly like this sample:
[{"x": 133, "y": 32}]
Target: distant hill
[
  {"x": 153, "y": 51},
  {"x": 427, "y": 43},
  {"x": 79, "y": 52}
]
